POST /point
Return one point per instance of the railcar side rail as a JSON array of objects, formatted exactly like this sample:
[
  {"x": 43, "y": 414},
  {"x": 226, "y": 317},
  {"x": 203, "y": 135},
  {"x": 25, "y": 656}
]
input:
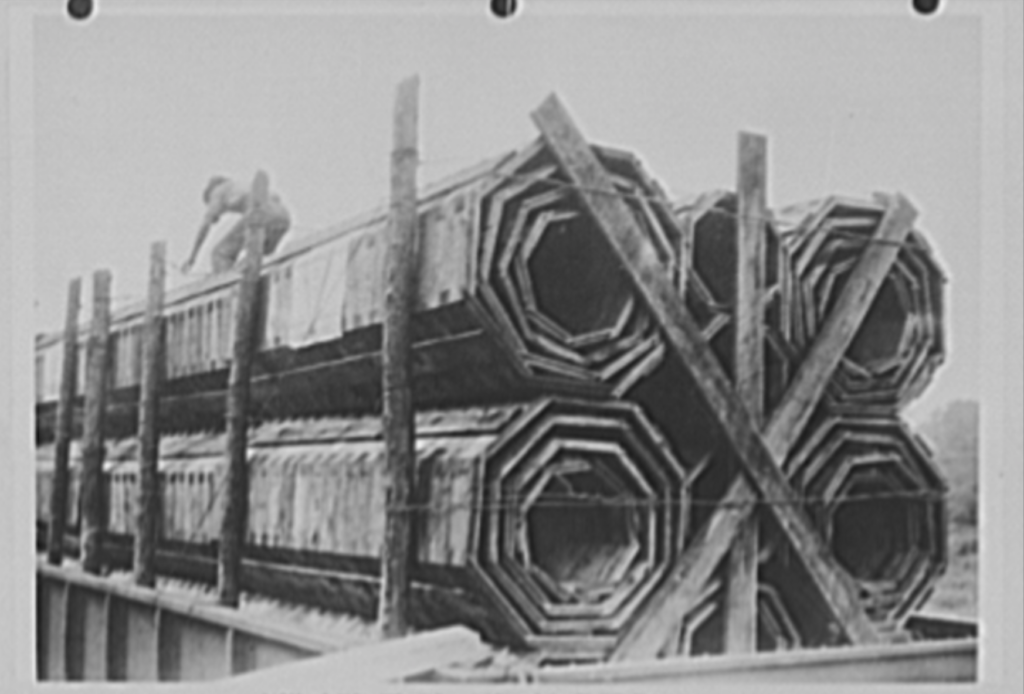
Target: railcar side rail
[{"x": 90, "y": 628}]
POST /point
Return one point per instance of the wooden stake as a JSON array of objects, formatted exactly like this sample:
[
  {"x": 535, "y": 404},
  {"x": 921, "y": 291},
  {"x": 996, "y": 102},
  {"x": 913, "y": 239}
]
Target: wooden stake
[
  {"x": 741, "y": 579},
  {"x": 596, "y": 191},
  {"x": 148, "y": 514},
  {"x": 236, "y": 512},
  {"x": 750, "y": 265},
  {"x": 399, "y": 427},
  {"x": 65, "y": 422},
  {"x": 93, "y": 516}
]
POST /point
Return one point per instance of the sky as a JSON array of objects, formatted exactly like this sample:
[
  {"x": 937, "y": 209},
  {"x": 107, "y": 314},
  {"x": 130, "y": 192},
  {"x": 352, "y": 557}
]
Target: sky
[{"x": 134, "y": 112}]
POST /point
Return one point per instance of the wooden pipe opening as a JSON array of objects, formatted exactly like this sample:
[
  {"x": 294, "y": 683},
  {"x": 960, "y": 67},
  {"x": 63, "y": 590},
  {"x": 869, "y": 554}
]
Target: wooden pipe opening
[
  {"x": 583, "y": 534},
  {"x": 576, "y": 278}
]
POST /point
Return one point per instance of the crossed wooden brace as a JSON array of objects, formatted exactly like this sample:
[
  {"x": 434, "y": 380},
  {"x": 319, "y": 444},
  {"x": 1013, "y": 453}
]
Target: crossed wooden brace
[{"x": 760, "y": 452}]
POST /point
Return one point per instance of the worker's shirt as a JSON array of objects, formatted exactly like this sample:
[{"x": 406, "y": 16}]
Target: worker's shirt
[{"x": 232, "y": 197}]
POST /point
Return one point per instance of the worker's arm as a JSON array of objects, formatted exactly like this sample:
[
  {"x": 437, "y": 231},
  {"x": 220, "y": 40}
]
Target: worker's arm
[{"x": 211, "y": 217}]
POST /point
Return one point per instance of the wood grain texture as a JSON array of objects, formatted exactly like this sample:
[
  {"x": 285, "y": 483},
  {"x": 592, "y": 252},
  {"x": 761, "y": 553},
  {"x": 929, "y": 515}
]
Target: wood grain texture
[
  {"x": 840, "y": 327},
  {"x": 399, "y": 421},
  {"x": 660, "y": 618},
  {"x": 147, "y": 520},
  {"x": 93, "y": 516},
  {"x": 741, "y": 576},
  {"x": 750, "y": 277},
  {"x": 65, "y": 418}
]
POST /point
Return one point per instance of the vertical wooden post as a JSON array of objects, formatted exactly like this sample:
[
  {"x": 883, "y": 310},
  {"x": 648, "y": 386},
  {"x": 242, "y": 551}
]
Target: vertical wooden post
[
  {"x": 93, "y": 516},
  {"x": 236, "y": 511},
  {"x": 399, "y": 426},
  {"x": 148, "y": 490},
  {"x": 741, "y": 581},
  {"x": 65, "y": 422}
]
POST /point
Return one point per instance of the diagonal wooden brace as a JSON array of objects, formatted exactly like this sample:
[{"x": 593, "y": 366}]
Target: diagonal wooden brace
[{"x": 759, "y": 457}]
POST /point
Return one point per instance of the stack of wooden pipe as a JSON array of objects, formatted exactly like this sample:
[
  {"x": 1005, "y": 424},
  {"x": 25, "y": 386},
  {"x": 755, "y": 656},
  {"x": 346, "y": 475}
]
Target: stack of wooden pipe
[{"x": 564, "y": 461}]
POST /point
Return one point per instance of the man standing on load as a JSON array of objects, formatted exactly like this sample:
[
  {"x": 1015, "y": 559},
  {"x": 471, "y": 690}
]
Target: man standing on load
[{"x": 224, "y": 195}]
